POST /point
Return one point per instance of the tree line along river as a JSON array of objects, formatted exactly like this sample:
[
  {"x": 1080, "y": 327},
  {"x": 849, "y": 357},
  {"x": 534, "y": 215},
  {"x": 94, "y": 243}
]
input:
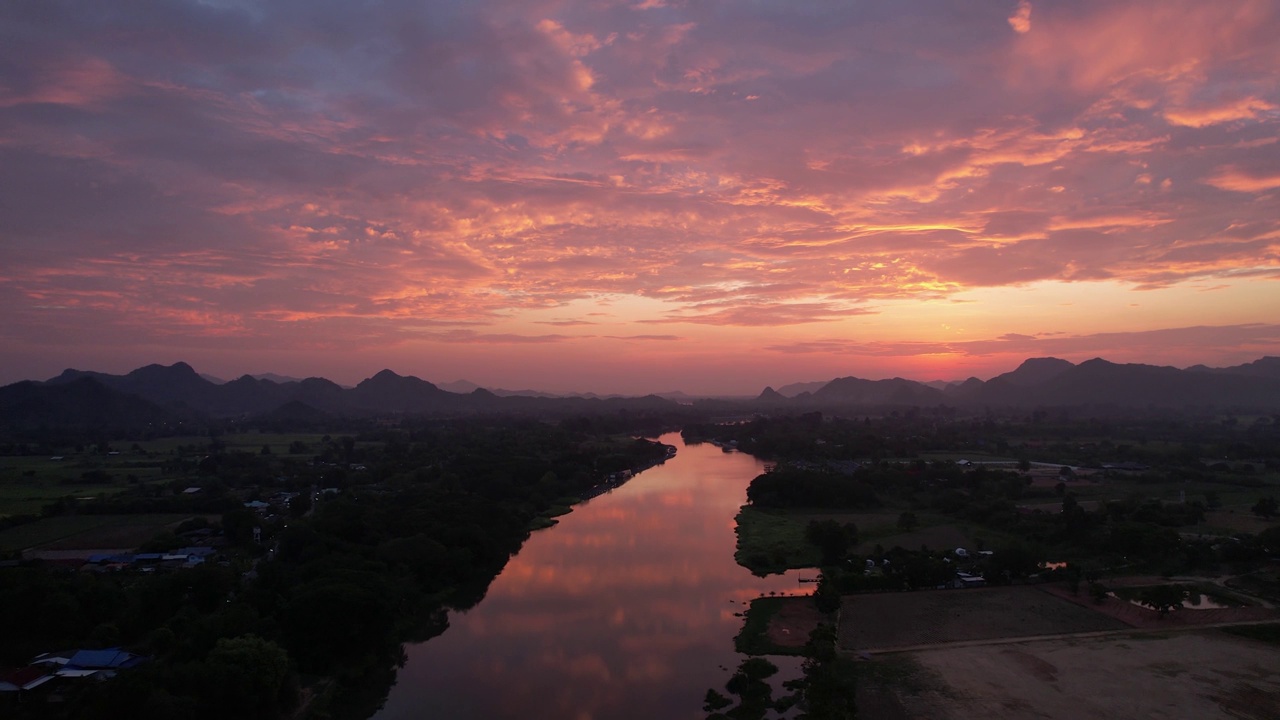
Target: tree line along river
[{"x": 625, "y": 609}]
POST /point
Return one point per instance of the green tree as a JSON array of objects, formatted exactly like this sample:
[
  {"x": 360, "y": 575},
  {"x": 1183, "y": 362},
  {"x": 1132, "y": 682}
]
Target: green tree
[
  {"x": 832, "y": 538},
  {"x": 749, "y": 686},
  {"x": 907, "y": 521},
  {"x": 827, "y": 596},
  {"x": 1011, "y": 562},
  {"x": 1269, "y": 539},
  {"x": 714, "y": 701},
  {"x": 1098, "y": 591},
  {"x": 828, "y": 684},
  {"x": 238, "y": 524},
  {"x": 1266, "y": 507},
  {"x": 300, "y": 504},
  {"x": 1163, "y": 597},
  {"x": 248, "y": 677}
]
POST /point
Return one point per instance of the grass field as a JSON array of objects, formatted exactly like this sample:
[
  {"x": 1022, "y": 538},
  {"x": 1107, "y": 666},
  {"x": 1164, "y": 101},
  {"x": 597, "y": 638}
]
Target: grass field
[
  {"x": 240, "y": 442},
  {"x": 945, "y": 536},
  {"x": 771, "y": 542},
  {"x": 29, "y": 483},
  {"x": 73, "y": 532}
]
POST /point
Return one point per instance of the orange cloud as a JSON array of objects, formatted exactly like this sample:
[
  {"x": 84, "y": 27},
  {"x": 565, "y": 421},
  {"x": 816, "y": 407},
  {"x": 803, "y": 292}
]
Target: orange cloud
[
  {"x": 1020, "y": 20},
  {"x": 412, "y": 181},
  {"x": 1237, "y": 180},
  {"x": 1249, "y": 108}
]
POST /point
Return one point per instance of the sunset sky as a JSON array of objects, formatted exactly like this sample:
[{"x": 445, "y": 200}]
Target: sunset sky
[{"x": 706, "y": 195}]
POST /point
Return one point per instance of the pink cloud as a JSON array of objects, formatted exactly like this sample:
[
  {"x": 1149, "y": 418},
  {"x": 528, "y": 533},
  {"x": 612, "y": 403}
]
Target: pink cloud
[{"x": 330, "y": 175}]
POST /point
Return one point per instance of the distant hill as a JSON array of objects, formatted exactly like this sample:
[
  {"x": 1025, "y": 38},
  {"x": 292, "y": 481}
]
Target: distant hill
[
  {"x": 771, "y": 397},
  {"x": 1267, "y": 367},
  {"x": 82, "y": 403},
  {"x": 1035, "y": 371},
  {"x": 856, "y": 391},
  {"x": 157, "y": 395},
  {"x": 279, "y": 379},
  {"x": 459, "y": 386},
  {"x": 1054, "y": 382},
  {"x": 389, "y": 392},
  {"x": 463, "y": 387},
  {"x": 1101, "y": 382},
  {"x": 795, "y": 389}
]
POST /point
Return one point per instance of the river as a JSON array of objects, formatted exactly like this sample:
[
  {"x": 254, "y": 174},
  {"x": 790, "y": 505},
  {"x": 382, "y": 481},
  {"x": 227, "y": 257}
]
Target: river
[{"x": 625, "y": 609}]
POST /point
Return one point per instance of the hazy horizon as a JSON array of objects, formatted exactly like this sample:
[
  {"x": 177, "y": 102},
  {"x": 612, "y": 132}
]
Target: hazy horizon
[
  {"x": 637, "y": 196},
  {"x": 518, "y": 386}
]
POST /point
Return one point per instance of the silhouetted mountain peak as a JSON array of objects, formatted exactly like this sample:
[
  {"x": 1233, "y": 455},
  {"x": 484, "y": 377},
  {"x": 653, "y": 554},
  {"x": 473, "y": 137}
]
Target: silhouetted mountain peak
[
  {"x": 319, "y": 383},
  {"x": 1264, "y": 367},
  {"x": 771, "y": 395},
  {"x": 297, "y": 411},
  {"x": 1036, "y": 371},
  {"x": 68, "y": 375},
  {"x": 178, "y": 369},
  {"x": 275, "y": 378},
  {"x": 82, "y": 402},
  {"x": 793, "y": 390},
  {"x": 389, "y": 379}
]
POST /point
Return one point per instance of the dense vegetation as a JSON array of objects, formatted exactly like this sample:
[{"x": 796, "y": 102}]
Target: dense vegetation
[
  {"x": 331, "y": 592},
  {"x": 1105, "y": 506},
  {"x": 390, "y": 523}
]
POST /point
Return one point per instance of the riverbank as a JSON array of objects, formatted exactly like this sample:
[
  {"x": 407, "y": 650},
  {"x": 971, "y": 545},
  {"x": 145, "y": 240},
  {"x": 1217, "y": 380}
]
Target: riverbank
[{"x": 625, "y": 609}]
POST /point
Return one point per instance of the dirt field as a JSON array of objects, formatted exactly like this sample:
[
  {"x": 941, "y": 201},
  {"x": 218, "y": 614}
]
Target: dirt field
[
  {"x": 1237, "y": 520},
  {"x": 795, "y": 619},
  {"x": 900, "y": 620},
  {"x": 1202, "y": 675},
  {"x": 1146, "y": 618}
]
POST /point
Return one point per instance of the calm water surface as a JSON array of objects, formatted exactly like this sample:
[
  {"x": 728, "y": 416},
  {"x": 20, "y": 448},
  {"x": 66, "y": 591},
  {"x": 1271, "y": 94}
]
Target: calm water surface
[{"x": 625, "y": 609}]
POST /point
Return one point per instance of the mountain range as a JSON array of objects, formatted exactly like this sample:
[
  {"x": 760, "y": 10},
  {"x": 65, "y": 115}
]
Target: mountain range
[
  {"x": 154, "y": 393},
  {"x": 1052, "y": 382}
]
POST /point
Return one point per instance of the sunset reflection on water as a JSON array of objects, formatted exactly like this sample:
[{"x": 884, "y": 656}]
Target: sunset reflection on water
[{"x": 625, "y": 609}]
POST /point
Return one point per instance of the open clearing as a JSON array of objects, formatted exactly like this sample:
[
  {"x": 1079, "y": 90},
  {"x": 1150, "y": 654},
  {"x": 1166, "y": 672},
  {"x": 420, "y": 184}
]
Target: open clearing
[
  {"x": 795, "y": 619},
  {"x": 76, "y": 532},
  {"x": 1202, "y": 675},
  {"x": 959, "y": 654},
  {"x": 882, "y": 621},
  {"x": 1235, "y": 521},
  {"x": 936, "y": 537},
  {"x": 29, "y": 483}
]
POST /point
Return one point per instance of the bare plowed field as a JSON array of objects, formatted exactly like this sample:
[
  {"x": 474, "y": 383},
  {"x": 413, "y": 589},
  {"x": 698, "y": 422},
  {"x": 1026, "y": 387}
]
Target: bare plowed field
[
  {"x": 926, "y": 617},
  {"x": 1201, "y": 675}
]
